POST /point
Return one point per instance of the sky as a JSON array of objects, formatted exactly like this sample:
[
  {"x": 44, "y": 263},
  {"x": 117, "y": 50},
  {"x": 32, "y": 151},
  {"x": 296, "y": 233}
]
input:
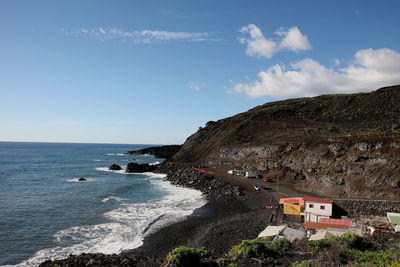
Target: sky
[{"x": 153, "y": 72}]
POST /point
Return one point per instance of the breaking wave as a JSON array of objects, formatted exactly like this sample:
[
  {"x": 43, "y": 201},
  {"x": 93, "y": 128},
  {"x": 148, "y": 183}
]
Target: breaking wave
[
  {"x": 126, "y": 226},
  {"x": 105, "y": 169},
  {"x": 113, "y": 198}
]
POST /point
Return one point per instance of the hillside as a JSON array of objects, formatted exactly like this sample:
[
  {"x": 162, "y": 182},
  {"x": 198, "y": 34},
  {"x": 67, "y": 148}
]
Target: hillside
[{"x": 338, "y": 145}]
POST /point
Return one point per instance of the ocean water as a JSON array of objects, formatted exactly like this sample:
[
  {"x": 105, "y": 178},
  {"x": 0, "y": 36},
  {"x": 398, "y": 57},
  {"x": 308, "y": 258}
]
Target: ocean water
[{"x": 46, "y": 213}]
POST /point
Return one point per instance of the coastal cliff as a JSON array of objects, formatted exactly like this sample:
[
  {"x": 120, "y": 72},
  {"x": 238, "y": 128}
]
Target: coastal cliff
[
  {"x": 336, "y": 145},
  {"x": 158, "y": 152}
]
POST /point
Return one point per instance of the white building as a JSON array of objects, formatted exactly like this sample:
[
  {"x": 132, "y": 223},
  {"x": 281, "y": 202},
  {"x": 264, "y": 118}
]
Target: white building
[
  {"x": 283, "y": 231},
  {"x": 316, "y": 208}
]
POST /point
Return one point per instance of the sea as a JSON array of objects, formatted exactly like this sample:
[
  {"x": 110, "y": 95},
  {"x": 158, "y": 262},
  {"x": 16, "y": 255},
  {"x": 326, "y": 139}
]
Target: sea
[{"x": 47, "y": 213}]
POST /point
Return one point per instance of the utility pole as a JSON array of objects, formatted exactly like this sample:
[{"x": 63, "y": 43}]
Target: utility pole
[{"x": 277, "y": 186}]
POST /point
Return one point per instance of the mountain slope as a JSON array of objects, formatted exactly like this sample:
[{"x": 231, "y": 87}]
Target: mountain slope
[{"x": 339, "y": 145}]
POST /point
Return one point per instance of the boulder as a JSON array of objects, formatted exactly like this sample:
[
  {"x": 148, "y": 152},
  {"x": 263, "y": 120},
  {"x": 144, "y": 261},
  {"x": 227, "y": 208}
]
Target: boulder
[
  {"x": 81, "y": 179},
  {"x": 114, "y": 167},
  {"x": 136, "y": 167}
]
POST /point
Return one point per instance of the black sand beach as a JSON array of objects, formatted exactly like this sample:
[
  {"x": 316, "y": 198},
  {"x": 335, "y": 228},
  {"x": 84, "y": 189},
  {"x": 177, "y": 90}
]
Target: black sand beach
[{"x": 218, "y": 226}]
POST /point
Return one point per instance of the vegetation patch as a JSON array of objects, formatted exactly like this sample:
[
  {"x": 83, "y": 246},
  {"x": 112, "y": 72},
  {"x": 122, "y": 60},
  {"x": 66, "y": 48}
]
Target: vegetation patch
[
  {"x": 280, "y": 245},
  {"x": 347, "y": 241},
  {"x": 184, "y": 256},
  {"x": 376, "y": 258},
  {"x": 250, "y": 248}
]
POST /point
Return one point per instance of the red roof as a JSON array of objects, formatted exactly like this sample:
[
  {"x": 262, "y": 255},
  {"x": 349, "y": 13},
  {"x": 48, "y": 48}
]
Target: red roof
[
  {"x": 317, "y": 199},
  {"x": 318, "y": 225},
  {"x": 336, "y": 221},
  {"x": 299, "y": 200}
]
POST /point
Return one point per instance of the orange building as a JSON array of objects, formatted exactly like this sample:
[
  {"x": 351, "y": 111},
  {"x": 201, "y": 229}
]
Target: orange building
[{"x": 293, "y": 205}]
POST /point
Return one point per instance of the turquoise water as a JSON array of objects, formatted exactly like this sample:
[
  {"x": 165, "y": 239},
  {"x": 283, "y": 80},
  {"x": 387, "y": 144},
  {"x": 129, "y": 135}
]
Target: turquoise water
[{"x": 46, "y": 213}]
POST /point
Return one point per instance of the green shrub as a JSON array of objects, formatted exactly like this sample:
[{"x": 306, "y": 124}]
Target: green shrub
[
  {"x": 250, "y": 248},
  {"x": 379, "y": 258},
  {"x": 318, "y": 245},
  {"x": 280, "y": 245},
  {"x": 183, "y": 256},
  {"x": 304, "y": 263},
  {"x": 90, "y": 262},
  {"x": 347, "y": 241},
  {"x": 224, "y": 262}
]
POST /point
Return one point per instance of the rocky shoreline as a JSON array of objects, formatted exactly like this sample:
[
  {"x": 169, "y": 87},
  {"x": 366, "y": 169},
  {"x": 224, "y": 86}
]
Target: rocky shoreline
[
  {"x": 218, "y": 225},
  {"x": 211, "y": 187}
]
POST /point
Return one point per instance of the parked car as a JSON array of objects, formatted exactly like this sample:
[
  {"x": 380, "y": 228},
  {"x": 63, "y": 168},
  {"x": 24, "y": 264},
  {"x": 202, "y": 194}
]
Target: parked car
[
  {"x": 257, "y": 187},
  {"x": 268, "y": 180}
]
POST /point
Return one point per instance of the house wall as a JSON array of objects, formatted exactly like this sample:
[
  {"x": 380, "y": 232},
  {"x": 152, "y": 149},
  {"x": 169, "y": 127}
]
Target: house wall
[
  {"x": 314, "y": 213},
  {"x": 291, "y": 209}
]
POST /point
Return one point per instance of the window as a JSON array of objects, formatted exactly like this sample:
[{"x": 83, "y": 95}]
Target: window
[
  {"x": 311, "y": 206},
  {"x": 322, "y": 207}
]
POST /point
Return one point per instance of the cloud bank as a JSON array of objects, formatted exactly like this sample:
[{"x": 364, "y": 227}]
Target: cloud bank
[
  {"x": 369, "y": 70},
  {"x": 140, "y": 37},
  {"x": 260, "y": 46}
]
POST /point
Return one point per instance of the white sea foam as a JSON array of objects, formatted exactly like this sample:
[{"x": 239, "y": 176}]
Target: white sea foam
[
  {"x": 155, "y": 163},
  {"x": 113, "y": 198},
  {"x": 76, "y": 180},
  {"x": 106, "y": 169},
  {"x": 115, "y": 154},
  {"x": 97, "y": 160},
  {"x": 128, "y": 224}
]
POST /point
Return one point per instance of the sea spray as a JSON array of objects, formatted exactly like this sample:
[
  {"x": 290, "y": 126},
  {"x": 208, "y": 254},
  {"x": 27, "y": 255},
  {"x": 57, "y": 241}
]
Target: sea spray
[{"x": 128, "y": 224}]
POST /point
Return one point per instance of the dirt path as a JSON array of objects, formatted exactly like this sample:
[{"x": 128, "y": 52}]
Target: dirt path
[{"x": 276, "y": 189}]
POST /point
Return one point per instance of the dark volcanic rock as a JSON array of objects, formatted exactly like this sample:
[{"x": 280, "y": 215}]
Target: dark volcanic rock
[
  {"x": 210, "y": 186},
  {"x": 115, "y": 167},
  {"x": 158, "y": 152},
  {"x": 81, "y": 179},
  {"x": 136, "y": 167}
]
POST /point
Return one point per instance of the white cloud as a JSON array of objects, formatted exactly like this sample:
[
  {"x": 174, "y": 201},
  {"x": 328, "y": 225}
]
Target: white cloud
[
  {"x": 336, "y": 61},
  {"x": 369, "y": 70},
  {"x": 258, "y": 45},
  {"x": 293, "y": 40},
  {"x": 193, "y": 86},
  {"x": 140, "y": 37}
]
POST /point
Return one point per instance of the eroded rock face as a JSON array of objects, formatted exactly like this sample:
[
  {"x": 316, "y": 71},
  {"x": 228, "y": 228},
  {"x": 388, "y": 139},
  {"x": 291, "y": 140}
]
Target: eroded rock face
[
  {"x": 355, "y": 170},
  {"x": 136, "y": 167},
  {"x": 339, "y": 145}
]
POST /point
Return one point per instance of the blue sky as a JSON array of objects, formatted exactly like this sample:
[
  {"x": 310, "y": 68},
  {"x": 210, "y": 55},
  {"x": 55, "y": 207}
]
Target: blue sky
[{"x": 155, "y": 71}]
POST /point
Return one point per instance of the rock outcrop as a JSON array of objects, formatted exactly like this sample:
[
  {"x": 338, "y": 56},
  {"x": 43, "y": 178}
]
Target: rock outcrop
[
  {"x": 114, "y": 167},
  {"x": 211, "y": 187},
  {"x": 164, "y": 152},
  {"x": 136, "y": 167}
]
